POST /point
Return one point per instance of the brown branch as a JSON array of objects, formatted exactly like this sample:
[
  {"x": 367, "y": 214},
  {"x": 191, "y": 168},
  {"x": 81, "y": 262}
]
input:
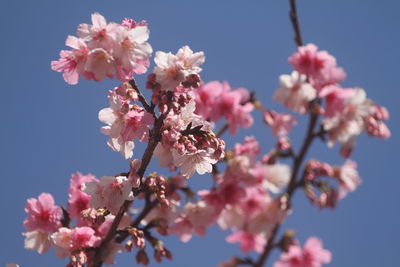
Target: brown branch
[
  {"x": 295, "y": 23},
  {"x": 142, "y": 99},
  {"x": 155, "y": 137},
  {"x": 293, "y": 185},
  {"x": 298, "y": 160},
  {"x": 148, "y": 207}
]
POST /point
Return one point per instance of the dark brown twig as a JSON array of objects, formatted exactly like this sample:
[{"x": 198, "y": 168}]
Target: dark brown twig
[
  {"x": 142, "y": 99},
  {"x": 295, "y": 23},
  {"x": 298, "y": 159}
]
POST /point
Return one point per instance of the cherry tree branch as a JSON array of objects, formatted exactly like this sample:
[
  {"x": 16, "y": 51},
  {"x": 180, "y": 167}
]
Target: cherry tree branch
[
  {"x": 293, "y": 185},
  {"x": 155, "y": 137},
  {"x": 295, "y": 23},
  {"x": 142, "y": 99},
  {"x": 299, "y": 158}
]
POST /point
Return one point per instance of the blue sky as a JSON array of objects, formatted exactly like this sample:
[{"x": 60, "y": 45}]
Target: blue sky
[{"x": 50, "y": 129}]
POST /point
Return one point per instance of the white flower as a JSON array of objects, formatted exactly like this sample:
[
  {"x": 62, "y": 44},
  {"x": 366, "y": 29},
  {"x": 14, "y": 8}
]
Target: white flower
[
  {"x": 109, "y": 192},
  {"x": 132, "y": 46},
  {"x": 275, "y": 177},
  {"x": 295, "y": 93},
  {"x": 349, "y": 178},
  {"x": 347, "y": 124},
  {"x": 37, "y": 240},
  {"x": 231, "y": 217},
  {"x": 172, "y": 69},
  {"x": 164, "y": 155},
  {"x": 200, "y": 162},
  {"x": 115, "y": 120}
]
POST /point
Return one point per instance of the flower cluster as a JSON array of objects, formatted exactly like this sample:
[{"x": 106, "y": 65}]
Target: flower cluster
[
  {"x": 347, "y": 113},
  {"x": 311, "y": 255},
  {"x": 216, "y": 100},
  {"x": 49, "y": 226},
  {"x": 105, "y": 50},
  {"x": 125, "y": 121},
  {"x": 251, "y": 194}
]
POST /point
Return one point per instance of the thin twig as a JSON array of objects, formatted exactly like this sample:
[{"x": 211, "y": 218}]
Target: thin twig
[
  {"x": 222, "y": 130},
  {"x": 298, "y": 159},
  {"x": 295, "y": 23},
  {"x": 142, "y": 99}
]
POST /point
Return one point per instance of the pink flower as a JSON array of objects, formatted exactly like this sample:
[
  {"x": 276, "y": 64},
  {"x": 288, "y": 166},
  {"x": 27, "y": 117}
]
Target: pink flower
[
  {"x": 182, "y": 228},
  {"x": 234, "y": 107},
  {"x": 78, "y": 200},
  {"x": 330, "y": 75},
  {"x": 280, "y": 123},
  {"x": 99, "y": 64},
  {"x": 137, "y": 124},
  {"x": 125, "y": 122},
  {"x": 133, "y": 50},
  {"x": 215, "y": 100},
  {"x": 207, "y": 97},
  {"x": 82, "y": 237},
  {"x": 335, "y": 97},
  {"x": 43, "y": 214},
  {"x": 295, "y": 93},
  {"x": 99, "y": 35},
  {"x": 312, "y": 255},
  {"x": 72, "y": 63},
  {"x": 248, "y": 242},
  {"x": 172, "y": 70},
  {"x": 347, "y": 120},
  {"x": 309, "y": 61}
]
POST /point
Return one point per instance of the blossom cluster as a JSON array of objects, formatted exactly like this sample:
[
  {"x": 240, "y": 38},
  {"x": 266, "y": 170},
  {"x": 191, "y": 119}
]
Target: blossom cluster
[
  {"x": 105, "y": 50},
  {"x": 92, "y": 203},
  {"x": 347, "y": 112},
  {"x": 250, "y": 194}
]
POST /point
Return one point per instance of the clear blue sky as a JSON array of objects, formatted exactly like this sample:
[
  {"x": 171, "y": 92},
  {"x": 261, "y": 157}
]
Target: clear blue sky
[{"x": 50, "y": 129}]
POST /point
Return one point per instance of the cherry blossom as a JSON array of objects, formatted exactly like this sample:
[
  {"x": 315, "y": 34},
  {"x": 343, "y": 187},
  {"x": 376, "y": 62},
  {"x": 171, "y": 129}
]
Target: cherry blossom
[
  {"x": 72, "y": 63},
  {"x": 125, "y": 122},
  {"x": 348, "y": 178},
  {"x": 280, "y": 123},
  {"x": 248, "y": 242},
  {"x": 312, "y": 255},
  {"x": 38, "y": 241},
  {"x": 295, "y": 93},
  {"x": 172, "y": 70},
  {"x": 43, "y": 214},
  {"x": 109, "y": 192},
  {"x": 216, "y": 100}
]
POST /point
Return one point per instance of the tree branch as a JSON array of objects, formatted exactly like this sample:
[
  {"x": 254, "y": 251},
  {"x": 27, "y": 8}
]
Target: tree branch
[
  {"x": 155, "y": 137},
  {"x": 142, "y": 99},
  {"x": 295, "y": 23},
  {"x": 298, "y": 160}
]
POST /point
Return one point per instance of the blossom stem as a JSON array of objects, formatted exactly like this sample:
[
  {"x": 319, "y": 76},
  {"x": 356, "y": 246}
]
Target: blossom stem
[
  {"x": 142, "y": 99},
  {"x": 155, "y": 137}
]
